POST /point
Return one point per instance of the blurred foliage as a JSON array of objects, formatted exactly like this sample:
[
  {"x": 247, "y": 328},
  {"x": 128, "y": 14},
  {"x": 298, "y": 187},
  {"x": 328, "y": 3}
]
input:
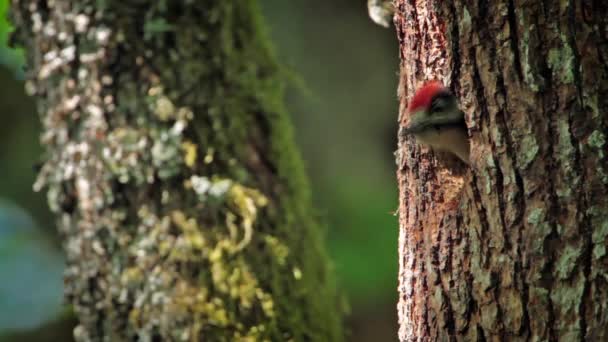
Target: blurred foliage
[
  {"x": 346, "y": 129},
  {"x": 30, "y": 296},
  {"x": 345, "y": 124},
  {"x": 12, "y": 58}
]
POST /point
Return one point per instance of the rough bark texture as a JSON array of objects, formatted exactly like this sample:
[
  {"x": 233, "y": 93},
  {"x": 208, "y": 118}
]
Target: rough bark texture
[
  {"x": 515, "y": 249},
  {"x": 171, "y": 166}
]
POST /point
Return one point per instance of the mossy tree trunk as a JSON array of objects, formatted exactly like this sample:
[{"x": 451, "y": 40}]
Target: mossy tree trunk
[
  {"x": 171, "y": 167},
  {"x": 515, "y": 249}
]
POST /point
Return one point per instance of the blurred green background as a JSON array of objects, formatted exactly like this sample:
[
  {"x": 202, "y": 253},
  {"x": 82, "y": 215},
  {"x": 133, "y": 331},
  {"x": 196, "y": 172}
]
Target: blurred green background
[{"x": 345, "y": 126}]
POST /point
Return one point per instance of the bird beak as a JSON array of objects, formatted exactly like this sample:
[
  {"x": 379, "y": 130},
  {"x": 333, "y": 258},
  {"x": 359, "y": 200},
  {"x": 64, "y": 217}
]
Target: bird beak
[
  {"x": 414, "y": 126},
  {"x": 409, "y": 130}
]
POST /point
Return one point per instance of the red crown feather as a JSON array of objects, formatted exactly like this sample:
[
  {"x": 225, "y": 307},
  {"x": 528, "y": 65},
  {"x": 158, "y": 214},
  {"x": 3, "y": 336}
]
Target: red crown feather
[{"x": 424, "y": 95}]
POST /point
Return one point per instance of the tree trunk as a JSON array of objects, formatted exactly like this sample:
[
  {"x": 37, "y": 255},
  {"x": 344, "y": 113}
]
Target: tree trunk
[
  {"x": 181, "y": 199},
  {"x": 514, "y": 249}
]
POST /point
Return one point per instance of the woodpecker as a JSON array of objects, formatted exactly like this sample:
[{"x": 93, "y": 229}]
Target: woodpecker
[{"x": 436, "y": 121}]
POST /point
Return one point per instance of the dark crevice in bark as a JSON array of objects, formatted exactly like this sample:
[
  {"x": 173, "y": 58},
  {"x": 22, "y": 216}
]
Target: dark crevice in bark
[
  {"x": 576, "y": 68},
  {"x": 483, "y": 113},
  {"x": 498, "y": 172},
  {"x": 468, "y": 278},
  {"x": 471, "y": 306},
  {"x": 482, "y": 7},
  {"x": 483, "y": 218},
  {"x": 502, "y": 121},
  {"x": 449, "y": 314},
  {"x": 499, "y": 177},
  {"x": 514, "y": 39},
  {"x": 552, "y": 240},
  {"x": 449, "y": 311},
  {"x": 520, "y": 268},
  {"x": 602, "y": 60},
  {"x": 587, "y": 235},
  {"x": 501, "y": 201},
  {"x": 547, "y": 273},
  {"x": 579, "y": 170},
  {"x": 455, "y": 35},
  {"x": 418, "y": 35},
  {"x": 481, "y": 335},
  {"x": 601, "y": 35},
  {"x": 477, "y": 83},
  {"x": 495, "y": 281},
  {"x": 545, "y": 7},
  {"x": 426, "y": 307}
]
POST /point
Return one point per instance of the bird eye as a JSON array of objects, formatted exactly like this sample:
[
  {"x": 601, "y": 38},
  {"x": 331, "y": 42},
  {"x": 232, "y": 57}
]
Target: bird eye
[{"x": 438, "y": 105}]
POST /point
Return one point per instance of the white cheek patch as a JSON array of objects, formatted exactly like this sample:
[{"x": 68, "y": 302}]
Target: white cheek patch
[
  {"x": 429, "y": 137},
  {"x": 441, "y": 139},
  {"x": 452, "y": 139}
]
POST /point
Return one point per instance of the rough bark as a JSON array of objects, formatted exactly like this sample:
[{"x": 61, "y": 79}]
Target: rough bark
[
  {"x": 171, "y": 166},
  {"x": 515, "y": 249}
]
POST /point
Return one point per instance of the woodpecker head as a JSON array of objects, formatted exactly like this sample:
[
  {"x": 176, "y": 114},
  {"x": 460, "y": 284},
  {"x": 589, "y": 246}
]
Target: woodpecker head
[{"x": 435, "y": 120}]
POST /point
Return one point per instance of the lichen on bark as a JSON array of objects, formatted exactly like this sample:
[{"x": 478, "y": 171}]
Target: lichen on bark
[{"x": 171, "y": 167}]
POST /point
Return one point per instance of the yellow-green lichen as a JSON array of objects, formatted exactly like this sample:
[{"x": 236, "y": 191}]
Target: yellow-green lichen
[
  {"x": 278, "y": 248},
  {"x": 132, "y": 275},
  {"x": 528, "y": 55},
  {"x": 191, "y": 242},
  {"x": 565, "y": 147},
  {"x": 529, "y": 150},
  {"x": 465, "y": 23},
  {"x": 567, "y": 261},
  {"x": 541, "y": 229},
  {"x": 566, "y": 298},
  {"x": 597, "y": 140},
  {"x": 599, "y": 251},
  {"x": 297, "y": 273},
  {"x": 600, "y": 232},
  {"x": 164, "y": 109},
  {"x": 245, "y": 202},
  {"x": 561, "y": 62},
  {"x": 598, "y": 237},
  {"x": 536, "y": 216},
  {"x": 190, "y": 153}
]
